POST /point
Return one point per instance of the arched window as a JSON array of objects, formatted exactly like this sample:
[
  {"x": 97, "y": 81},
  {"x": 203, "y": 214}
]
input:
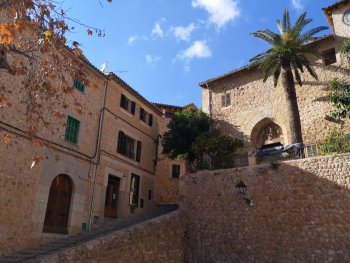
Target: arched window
[{"x": 58, "y": 205}]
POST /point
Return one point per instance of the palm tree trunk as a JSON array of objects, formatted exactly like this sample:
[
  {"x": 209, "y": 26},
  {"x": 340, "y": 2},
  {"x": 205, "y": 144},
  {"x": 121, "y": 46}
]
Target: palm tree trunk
[{"x": 292, "y": 104}]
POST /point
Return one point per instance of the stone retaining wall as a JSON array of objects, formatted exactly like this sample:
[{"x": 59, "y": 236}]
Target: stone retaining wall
[
  {"x": 157, "y": 240},
  {"x": 301, "y": 213}
]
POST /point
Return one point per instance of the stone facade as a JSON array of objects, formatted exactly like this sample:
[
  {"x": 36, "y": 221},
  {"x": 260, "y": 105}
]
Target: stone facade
[
  {"x": 301, "y": 212},
  {"x": 158, "y": 240},
  {"x": 31, "y": 181},
  {"x": 89, "y": 163},
  {"x": 167, "y": 186},
  {"x": 255, "y": 104}
]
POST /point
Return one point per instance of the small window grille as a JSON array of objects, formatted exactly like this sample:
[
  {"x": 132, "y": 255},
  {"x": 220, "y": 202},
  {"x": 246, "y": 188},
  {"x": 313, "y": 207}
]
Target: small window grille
[{"x": 225, "y": 100}]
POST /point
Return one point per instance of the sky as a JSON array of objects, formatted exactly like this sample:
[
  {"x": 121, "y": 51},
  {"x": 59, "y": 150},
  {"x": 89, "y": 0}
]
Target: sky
[{"x": 164, "y": 48}]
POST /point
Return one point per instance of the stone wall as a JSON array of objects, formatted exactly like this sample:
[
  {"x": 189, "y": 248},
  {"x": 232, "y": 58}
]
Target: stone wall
[
  {"x": 17, "y": 192},
  {"x": 253, "y": 100},
  {"x": 166, "y": 186},
  {"x": 24, "y": 191},
  {"x": 301, "y": 212},
  {"x": 158, "y": 240}
]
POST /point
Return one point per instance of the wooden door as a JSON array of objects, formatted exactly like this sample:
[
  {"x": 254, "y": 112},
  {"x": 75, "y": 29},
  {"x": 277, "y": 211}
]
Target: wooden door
[
  {"x": 112, "y": 197},
  {"x": 58, "y": 205}
]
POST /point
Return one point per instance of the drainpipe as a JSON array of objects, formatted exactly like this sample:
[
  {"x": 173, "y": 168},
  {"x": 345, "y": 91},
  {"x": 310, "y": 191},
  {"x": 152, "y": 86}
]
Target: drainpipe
[{"x": 97, "y": 154}]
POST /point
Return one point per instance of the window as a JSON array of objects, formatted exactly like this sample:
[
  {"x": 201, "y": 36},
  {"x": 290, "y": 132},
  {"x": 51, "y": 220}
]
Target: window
[
  {"x": 176, "y": 171},
  {"x": 134, "y": 190},
  {"x": 225, "y": 100},
  {"x": 129, "y": 147},
  {"x": 127, "y": 104},
  {"x": 72, "y": 130},
  {"x": 329, "y": 57},
  {"x": 78, "y": 84},
  {"x": 146, "y": 117},
  {"x": 150, "y": 194}
]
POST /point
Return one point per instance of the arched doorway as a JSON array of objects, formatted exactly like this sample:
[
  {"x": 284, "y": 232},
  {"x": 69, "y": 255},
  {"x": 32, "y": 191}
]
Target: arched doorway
[
  {"x": 269, "y": 135},
  {"x": 58, "y": 205},
  {"x": 266, "y": 134}
]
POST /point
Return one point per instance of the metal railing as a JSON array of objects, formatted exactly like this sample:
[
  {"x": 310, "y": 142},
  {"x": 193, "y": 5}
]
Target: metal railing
[
  {"x": 242, "y": 159},
  {"x": 305, "y": 152}
]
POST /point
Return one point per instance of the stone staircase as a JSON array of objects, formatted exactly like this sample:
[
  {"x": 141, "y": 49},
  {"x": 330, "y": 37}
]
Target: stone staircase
[{"x": 28, "y": 255}]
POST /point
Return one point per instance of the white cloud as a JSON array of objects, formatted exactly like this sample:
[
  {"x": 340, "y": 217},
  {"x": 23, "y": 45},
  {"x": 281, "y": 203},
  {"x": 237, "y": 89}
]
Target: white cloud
[
  {"x": 199, "y": 49},
  {"x": 132, "y": 39},
  {"x": 297, "y": 4},
  {"x": 183, "y": 33},
  {"x": 152, "y": 59},
  {"x": 220, "y": 11},
  {"x": 157, "y": 30}
]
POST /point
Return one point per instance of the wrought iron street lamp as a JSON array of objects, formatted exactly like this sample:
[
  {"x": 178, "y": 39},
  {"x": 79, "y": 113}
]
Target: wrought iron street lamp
[{"x": 241, "y": 188}]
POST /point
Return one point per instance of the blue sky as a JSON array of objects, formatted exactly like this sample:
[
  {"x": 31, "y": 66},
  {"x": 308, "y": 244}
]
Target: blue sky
[{"x": 164, "y": 48}]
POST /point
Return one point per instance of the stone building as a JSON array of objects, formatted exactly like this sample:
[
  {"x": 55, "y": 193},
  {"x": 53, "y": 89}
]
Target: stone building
[
  {"x": 255, "y": 111},
  {"x": 168, "y": 171},
  {"x": 99, "y": 165}
]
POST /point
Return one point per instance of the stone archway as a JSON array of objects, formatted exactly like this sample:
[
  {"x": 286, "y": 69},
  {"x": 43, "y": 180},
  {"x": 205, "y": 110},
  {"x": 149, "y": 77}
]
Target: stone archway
[
  {"x": 58, "y": 205},
  {"x": 266, "y": 132}
]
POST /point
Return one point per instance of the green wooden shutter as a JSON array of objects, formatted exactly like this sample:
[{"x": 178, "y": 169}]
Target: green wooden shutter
[
  {"x": 122, "y": 101},
  {"x": 78, "y": 84},
  {"x": 121, "y": 144},
  {"x": 142, "y": 114},
  {"x": 138, "y": 151},
  {"x": 72, "y": 130},
  {"x": 133, "y": 107},
  {"x": 150, "y": 120}
]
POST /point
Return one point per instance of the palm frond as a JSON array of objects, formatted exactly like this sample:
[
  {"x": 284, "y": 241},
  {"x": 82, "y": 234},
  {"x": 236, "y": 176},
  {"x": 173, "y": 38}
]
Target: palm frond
[
  {"x": 260, "y": 57},
  {"x": 276, "y": 75},
  {"x": 280, "y": 27},
  {"x": 286, "y": 21},
  {"x": 310, "y": 34},
  {"x": 300, "y": 24},
  {"x": 296, "y": 74},
  {"x": 312, "y": 72},
  {"x": 268, "y": 36},
  {"x": 290, "y": 46},
  {"x": 269, "y": 66}
]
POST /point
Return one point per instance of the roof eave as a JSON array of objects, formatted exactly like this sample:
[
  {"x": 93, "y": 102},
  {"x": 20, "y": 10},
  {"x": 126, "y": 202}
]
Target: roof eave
[
  {"x": 205, "y": 84},
  {"x": 134, "y": 92}
]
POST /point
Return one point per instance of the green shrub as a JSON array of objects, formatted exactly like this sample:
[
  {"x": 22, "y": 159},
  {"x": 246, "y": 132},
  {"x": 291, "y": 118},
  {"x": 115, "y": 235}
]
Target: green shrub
[
  {"x": 335, "y": 142},
  {"x": 339, "y": 97},
  {"x": 345, "y": 50}
]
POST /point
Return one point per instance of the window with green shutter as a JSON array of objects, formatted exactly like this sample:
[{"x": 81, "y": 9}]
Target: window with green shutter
[
  {"x": 127, "y": 104},
  {"x": 72, "y": 130},
  {"x": 78, "y": 84}
]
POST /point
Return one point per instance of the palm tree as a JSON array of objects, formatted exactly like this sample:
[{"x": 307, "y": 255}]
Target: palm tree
[{"x": 288, "y": 55}]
